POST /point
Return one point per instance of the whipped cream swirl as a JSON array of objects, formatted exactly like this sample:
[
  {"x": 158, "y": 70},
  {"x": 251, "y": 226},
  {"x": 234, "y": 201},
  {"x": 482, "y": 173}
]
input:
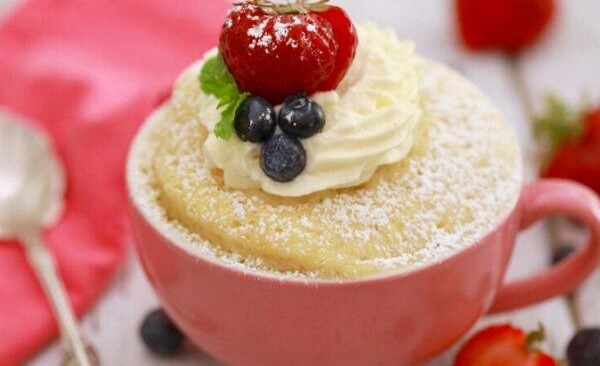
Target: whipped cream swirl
[{"x": 371, "y": 121}]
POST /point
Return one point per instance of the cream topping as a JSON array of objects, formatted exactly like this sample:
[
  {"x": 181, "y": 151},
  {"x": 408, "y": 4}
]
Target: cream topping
[{"x": 371, "y": 119}]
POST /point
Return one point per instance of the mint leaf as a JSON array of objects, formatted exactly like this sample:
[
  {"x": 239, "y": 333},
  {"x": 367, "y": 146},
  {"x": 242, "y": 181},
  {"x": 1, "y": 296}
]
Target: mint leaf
[
  {"x": 224, "y": 129},
  {"x": 216, "y": 80}
]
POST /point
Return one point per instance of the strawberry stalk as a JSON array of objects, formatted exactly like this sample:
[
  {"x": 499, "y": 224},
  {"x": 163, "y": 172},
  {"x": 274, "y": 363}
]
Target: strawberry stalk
[
  {"x": 296, "y": 7},
  {"x": 535, "y": 338},
  {"x": 559, "y": 124}
]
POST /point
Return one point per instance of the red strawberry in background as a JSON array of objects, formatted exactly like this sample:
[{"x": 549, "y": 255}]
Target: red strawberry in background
[
  {"x": 504, "y": 345},
  {"x": 509, "y": 25},
  {"x": 592, "y": 125},
  {"x": 573, "y": 139},
  {"x": 274, "y": 51}
]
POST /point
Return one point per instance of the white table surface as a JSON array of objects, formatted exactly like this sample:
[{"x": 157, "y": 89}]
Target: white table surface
[{"x": 566, "y": 63}]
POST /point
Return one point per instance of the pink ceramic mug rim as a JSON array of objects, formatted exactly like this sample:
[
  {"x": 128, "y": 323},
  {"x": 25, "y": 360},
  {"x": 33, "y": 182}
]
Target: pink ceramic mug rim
[{"x": 266, "y": 277}]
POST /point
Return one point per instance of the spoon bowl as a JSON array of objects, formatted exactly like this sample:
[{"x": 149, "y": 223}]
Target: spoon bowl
[{"x": 31, "y": 179}]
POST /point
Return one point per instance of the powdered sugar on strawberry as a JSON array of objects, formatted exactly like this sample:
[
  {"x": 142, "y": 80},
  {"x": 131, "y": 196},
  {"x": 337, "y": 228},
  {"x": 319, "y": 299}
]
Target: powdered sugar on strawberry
[
  {"x": 281, "y": 30},
  {"x": 276, "y": 54},
  {"x": 273, "y": 32}
]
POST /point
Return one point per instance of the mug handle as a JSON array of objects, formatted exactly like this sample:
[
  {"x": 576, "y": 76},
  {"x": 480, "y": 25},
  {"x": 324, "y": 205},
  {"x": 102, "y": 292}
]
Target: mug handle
[{"x": 555, "y": 197}]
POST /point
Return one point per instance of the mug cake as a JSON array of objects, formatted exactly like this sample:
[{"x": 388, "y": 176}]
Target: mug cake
[{"x": 305, "y": 147}]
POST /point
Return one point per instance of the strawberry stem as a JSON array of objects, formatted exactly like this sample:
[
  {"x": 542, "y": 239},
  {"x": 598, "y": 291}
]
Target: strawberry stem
[
  {"x": 296, "y": 7},
  {"x": 536, "y": 337},
  {"x": 560, "y": 123}
]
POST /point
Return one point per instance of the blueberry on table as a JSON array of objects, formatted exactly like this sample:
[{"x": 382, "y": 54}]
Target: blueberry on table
[
  {"x": 561, "y": 253},
  {"x": 584, "y": 348},
  {"x": 283, "y": 158},
  {"x": 301, "y": 117},
  {"x": 255, "y": 120},
  {"x": 160, "y": 334}
]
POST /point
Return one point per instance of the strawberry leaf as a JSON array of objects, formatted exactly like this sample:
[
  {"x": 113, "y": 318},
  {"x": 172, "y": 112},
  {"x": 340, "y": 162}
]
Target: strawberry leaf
[
  {"x": 559, "y": 124},
  {"x": 216, "y": 80},
  {"x": 536, "y": 337},
  {"x": 224, "y": 129}
]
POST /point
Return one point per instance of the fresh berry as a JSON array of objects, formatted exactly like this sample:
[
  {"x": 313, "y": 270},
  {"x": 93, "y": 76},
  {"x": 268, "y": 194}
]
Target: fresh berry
[
  {"x": 160, "y": 334},
  {"x": 275, "y": 50},
  {"x": 592, "y": 126},
  {"x": 301, "y": 116},
  {"x": 255, "y": 120},
  {"x": 561, "y": 253},
  {"x": 510, "y": 25},
  {"x": 578, "y": 160},
  {"x": 503, "y": 345},
  {"x": 345, "y": 34},
  {"x": 584, "y": 348},
  {"x": 275, "y": 55},
  {"x": 283, "y": 158},
  {"x": 573, "y": 141}
]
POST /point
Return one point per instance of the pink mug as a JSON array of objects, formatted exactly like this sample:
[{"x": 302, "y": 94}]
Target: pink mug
[{"x": 244, "y": 318}]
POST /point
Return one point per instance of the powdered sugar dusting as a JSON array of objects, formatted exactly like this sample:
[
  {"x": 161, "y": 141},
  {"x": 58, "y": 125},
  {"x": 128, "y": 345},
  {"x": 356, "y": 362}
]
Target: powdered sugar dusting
[
  {"x": 258, "y": 30},
  {"x": 292, "y": 43},
  {"x": 281, "y": 30},
  {"x": 271, "y": 32},
  {"x": 462, "y": 179},
  {"x": 141, "y": 186},
  {"x": 265, "y": 41}
]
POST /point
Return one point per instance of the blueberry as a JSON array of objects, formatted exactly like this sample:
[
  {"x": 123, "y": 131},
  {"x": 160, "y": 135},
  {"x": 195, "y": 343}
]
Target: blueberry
[
  {"x": 301, "y": 117},
  {"x": 255, "y": 120},
  {"x": 561, "y": 253},
  {"x": 283, "y": 158},
  {"x": 160, "y": 334},
  {"x": 584, "y": 348}
]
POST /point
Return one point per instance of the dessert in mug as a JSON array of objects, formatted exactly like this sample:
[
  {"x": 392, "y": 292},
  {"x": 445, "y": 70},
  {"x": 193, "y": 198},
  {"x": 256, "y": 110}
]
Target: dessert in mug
[{"x": 303, "y": 146}]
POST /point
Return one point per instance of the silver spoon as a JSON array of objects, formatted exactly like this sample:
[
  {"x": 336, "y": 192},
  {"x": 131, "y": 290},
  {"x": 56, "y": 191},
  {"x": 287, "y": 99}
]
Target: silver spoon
[{"x": 31, "y": 198}]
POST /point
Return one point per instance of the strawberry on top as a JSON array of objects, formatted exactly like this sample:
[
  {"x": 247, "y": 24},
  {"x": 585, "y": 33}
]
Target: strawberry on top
[{"x": 277, "y": 50}]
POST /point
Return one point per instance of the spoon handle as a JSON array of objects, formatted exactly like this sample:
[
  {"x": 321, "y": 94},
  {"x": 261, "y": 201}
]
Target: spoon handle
[{"x": 45, "y": 269}]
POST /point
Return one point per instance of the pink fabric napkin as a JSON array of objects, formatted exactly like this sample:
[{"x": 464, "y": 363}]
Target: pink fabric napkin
[{"x": 88, "y": 72}]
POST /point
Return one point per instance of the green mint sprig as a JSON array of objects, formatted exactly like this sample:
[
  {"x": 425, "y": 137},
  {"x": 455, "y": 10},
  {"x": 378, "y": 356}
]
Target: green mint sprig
[{"x": 215, "y": 79}]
